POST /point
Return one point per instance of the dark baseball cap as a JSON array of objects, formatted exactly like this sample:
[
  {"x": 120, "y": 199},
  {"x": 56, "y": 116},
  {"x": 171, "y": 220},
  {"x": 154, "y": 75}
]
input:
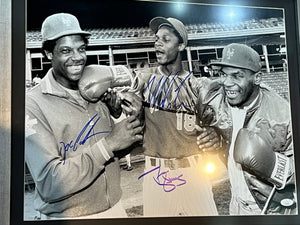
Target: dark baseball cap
[
  {"x": 240, "y": 56},
  {"x": 159, "y": 21}
]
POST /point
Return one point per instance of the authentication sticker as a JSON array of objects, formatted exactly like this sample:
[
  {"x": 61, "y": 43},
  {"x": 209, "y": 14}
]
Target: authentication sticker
[{"x": 286, "y": 202}]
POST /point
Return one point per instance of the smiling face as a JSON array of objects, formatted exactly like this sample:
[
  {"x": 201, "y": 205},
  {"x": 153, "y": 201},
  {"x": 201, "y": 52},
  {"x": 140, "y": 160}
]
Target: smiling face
[
  {"x": 167, "y": 46},
  {"x": 68, "y": 60},
  {"x": 240, "y": 85}
]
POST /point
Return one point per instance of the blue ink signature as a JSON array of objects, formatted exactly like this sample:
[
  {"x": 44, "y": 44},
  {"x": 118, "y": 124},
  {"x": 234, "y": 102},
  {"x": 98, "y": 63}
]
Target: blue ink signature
[
  {"x": 169, "y": 184},
  {"x": 79, "y": 141},
  {"x": 156, "y": 92}
]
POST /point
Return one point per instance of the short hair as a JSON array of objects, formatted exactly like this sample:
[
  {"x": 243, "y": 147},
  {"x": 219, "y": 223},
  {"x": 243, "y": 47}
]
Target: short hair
[
  {"x": 49, "y": 45},
  {"x": 174, "y": 31}
]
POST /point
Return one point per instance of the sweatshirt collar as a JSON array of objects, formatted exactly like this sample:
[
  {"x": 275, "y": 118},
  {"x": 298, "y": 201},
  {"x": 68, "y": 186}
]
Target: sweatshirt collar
[{"x": 50, "y": 86}]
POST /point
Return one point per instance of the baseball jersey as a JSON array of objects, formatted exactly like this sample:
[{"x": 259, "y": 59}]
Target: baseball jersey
[
  {"x": 169, "y": 105},
  {"x": 170, "y": 133}
]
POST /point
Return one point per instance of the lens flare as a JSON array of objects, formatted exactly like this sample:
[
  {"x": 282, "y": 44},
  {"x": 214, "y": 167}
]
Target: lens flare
[
  {"x": 179, "y": 7},
  {"x": 210, "y": 168},
  {"x": 231, "y": 14}
]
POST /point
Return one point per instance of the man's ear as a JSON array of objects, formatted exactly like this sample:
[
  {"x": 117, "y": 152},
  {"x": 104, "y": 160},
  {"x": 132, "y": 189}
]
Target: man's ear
[
  {"x": 49, "y": 55},
  {"x": 181, "y": 47},
  {"x": 257, "y": 78}
]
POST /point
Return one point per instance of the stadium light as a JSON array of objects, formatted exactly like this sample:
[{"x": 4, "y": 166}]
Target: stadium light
[
  {"x": 179, "y": 7},
  {"x": 231, "y": 14}
]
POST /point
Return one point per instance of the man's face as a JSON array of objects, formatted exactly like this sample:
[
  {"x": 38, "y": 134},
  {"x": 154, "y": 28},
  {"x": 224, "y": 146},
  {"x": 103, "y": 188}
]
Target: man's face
[
  {"x": 166, "y": 46},
  {"x": 68, "y": 60},
  {"x": 239, "y": 85}
]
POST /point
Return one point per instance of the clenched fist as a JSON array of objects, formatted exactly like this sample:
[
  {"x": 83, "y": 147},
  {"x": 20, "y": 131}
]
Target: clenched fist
[{"x": 124, "y": 134}]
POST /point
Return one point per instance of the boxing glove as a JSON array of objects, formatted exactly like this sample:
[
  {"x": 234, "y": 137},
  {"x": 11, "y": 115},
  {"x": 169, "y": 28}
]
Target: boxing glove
[
  {"x": 96, "y": 79},
  {"x": 281, "y": 201},
  {"x": 258, "y": 157}
]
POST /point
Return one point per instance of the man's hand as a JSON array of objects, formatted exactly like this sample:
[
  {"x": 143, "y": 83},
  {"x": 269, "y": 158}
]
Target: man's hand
[
  {"x": 113, "y": 102},
  {"x": 208, "y": 140},
  {"x": 124, "y": 134},
  {"x": 131, "y": 103}
]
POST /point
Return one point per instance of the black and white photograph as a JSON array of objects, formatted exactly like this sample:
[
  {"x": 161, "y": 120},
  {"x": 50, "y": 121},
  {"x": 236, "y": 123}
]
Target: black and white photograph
[{"x": 137, "y": 109}]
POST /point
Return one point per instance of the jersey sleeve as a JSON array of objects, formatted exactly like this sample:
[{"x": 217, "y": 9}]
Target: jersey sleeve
[{"x": 55, "y": 177}]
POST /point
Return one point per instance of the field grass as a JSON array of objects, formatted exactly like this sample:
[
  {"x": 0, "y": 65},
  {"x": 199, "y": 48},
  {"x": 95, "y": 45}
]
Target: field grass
[{"x": 222, "y": 196}]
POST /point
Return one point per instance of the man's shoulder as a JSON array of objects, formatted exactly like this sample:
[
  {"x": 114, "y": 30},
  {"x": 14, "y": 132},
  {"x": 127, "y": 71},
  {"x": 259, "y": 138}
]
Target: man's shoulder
[
  {"x": 34, "y": 91},
  {"x": 39, "y": 93},
  {"x": 143, "y": 75},
  {"x": 146, "y": 70},
  {"x": 34, "y": 99},
  {"x": 271, "y": 95},
  {"x": 207, "y": 88},
  {"x": 274, "y": 104}
]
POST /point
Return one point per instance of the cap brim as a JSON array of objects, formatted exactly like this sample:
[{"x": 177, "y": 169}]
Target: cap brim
[
  {"x": 69, "y": 32},
  {"x": 231, "y": 65},
  {"x": 156, "y": 22}
]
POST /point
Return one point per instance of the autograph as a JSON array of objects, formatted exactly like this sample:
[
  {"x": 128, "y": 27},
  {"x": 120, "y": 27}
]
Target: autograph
[
  {"x": 169, "y": 184},
  {"x": 164, "y": 86},
  {"x": 79, "y": 141}
]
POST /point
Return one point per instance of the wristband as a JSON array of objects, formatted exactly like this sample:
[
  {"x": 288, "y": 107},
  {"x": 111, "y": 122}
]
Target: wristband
[{"x": 103, "y": 149}]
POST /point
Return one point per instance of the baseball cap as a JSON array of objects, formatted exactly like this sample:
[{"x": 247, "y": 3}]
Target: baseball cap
[
  {"x": 240, "y": 56},
  {"x": 60, "y": 24},
  {"x": 157, "y": 22}
]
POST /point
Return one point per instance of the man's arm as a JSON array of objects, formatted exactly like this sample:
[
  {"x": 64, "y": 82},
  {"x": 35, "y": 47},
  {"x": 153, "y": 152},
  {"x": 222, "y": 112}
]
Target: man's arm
[
  {"x": 115, "y": 86},
  {"x": 56, "y": 176},
  {"x": 209, "y": 138},
  {"x": 97, "y": 79}
]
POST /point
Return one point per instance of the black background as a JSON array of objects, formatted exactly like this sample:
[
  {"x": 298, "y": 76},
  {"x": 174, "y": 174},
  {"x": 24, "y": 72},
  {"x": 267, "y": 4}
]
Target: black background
[{"x": 125, "y": 13}]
